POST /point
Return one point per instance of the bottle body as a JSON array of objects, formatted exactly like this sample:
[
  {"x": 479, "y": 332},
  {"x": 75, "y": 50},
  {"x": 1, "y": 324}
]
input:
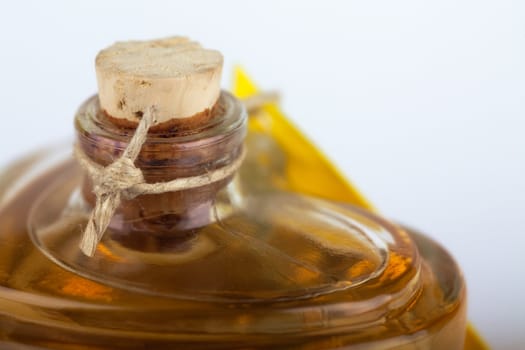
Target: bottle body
[{"x": 266, "y": 269}]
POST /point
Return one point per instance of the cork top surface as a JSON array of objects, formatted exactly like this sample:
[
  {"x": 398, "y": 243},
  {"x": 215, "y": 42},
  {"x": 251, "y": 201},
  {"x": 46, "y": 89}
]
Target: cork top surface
[{"x": 168, "y": 57}]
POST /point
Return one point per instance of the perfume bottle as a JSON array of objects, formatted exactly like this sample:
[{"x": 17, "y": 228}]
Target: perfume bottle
[{"x": 233, "y": 258}]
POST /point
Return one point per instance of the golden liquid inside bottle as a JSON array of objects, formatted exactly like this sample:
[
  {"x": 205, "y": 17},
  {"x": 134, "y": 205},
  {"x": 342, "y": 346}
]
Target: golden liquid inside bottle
[{"x": 250, "y": 266}]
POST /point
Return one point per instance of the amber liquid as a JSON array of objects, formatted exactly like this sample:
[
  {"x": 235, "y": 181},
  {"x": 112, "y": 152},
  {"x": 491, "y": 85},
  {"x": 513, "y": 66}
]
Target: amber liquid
[
  {"x": 266, "y": 269},
  {"x": 44, "y": 306}
]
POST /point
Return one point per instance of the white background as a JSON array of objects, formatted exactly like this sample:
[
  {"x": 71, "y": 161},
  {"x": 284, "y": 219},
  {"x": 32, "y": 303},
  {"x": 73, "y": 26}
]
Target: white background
[{"x": 420, "y": 103}]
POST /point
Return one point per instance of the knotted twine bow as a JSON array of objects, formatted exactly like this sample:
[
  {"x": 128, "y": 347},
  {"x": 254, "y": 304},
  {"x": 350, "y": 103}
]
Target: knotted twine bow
[{"x": 122, "y": 179}]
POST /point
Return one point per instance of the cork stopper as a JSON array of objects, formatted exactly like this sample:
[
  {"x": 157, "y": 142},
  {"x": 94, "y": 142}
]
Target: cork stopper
[{"x": 177, "y": 76}]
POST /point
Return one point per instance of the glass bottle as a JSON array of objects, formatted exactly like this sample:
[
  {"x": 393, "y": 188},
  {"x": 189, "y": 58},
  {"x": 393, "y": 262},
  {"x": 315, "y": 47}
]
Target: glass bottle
[{"x": 243, "y": 263}]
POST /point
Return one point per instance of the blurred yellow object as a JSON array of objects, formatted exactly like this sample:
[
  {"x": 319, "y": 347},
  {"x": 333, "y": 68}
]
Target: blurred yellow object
[{"x": 308, "y": 171}]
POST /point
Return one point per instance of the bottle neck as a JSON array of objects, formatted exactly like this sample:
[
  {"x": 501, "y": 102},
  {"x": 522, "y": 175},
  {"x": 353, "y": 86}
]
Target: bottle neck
[{"x": 178, "y": 151}]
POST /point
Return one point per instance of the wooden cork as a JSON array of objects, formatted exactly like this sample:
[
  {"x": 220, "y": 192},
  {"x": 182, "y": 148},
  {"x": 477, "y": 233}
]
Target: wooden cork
[{"x": 177, "y": 76}]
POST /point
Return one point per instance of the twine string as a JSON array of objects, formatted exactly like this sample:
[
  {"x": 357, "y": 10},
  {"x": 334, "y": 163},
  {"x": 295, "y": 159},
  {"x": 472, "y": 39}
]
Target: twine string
[{"x": 122, "y": 179}]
